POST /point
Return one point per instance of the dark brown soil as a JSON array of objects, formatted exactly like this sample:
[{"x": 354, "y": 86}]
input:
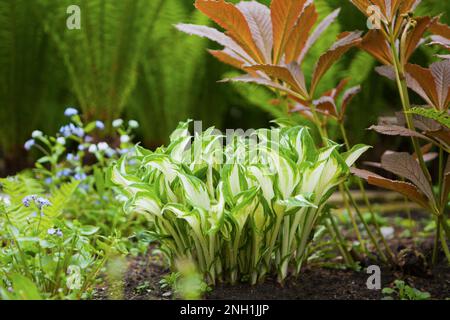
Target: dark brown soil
[{"x": 144, "y": 274}]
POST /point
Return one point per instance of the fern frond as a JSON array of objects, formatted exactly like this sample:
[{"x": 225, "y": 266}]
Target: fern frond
[{"x": 442, "y": 117}]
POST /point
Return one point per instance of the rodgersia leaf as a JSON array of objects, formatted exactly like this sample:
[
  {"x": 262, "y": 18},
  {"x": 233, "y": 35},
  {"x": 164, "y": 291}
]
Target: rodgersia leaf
[
  {"x": 284, "y": 16},
  {"x": 405, "y": 166},
  {"x": 233, "y": 21}
]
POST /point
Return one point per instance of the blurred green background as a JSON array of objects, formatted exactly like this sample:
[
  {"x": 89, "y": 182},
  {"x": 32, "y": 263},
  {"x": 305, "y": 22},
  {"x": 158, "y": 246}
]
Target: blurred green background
[{"x": 128, "y": 61}]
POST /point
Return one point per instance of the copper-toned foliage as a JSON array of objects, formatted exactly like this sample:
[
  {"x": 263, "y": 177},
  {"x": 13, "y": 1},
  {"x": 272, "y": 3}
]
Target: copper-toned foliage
[
  {"x": 433, "y": 82},
  {"x": 446, "y": 183},
  {"x": 300, "y": 33},
  {"x": 405, "y": 188},
  {"x": 285, "y": 14},
  {"x": 404, "y": 165},
  {"x": 328, "y": 103},
  {"x": 415, "y": 35},
  {"x": 375, "y": 44},
  {"x": 271, "y": 43},
  {"x": 394, "y": 130},
  {"x": 346, "y": 41},
  {"x": 234, "y": 22}
]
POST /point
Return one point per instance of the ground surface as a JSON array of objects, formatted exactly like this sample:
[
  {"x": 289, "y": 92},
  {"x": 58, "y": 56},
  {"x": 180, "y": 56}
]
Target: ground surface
[{"x": 144, "y": 274}]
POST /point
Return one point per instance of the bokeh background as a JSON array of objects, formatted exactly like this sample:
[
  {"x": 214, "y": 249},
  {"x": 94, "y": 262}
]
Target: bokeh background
[{"x": 128, "y": 61}]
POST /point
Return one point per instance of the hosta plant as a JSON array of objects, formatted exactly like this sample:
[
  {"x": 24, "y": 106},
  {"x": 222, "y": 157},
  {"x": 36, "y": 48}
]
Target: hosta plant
[
  {"x": 239, "y": 209},
  {"x": 270, "y": 44}
]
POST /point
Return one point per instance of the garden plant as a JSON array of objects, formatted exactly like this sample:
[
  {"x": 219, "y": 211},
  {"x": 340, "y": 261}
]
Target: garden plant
[{"x": 281, "y": 196}]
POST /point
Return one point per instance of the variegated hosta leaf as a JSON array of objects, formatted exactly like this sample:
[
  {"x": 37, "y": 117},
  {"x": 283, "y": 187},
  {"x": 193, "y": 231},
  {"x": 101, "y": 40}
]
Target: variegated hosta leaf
[{"x": 232, "y": 217}]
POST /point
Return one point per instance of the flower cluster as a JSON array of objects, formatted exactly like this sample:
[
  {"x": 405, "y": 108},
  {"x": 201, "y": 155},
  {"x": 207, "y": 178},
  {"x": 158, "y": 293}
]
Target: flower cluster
[{"x": 40, "y": 202}]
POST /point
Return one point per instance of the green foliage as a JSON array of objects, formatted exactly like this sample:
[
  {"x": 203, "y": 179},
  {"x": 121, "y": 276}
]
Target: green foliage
[
  {"x": 241, "y": 210},
  {"x": 42, "y": 255},
  {"x": 29, "y": 80},
  {"x": 402, "y": 291},
  {"x": 441, "y": 117},
  {"x": 176, "y": 76},
  {"x": 102, "y": 57}
]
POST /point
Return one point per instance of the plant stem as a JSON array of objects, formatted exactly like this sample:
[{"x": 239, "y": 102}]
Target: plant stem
[
  {"x": 352, "y": 217},
  {"x": 371, "y": 236},
  {"x": 436, "y": 242},
  {"x": 340, "y": 242},
  {"x": 366, "y": 198},
  {"x": 404, "y": 96}
]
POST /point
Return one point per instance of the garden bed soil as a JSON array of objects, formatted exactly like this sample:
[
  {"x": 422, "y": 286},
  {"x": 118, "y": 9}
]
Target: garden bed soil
[{"x": 142, "y": 281}]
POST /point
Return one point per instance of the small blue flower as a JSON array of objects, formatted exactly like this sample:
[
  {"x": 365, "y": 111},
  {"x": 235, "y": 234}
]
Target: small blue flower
[
  {"x": 124, "y": 151},
  {"x": 102, "y": 146},
  {"x": 133, "y": 124},
  {"x": 84, "y": 186},
  {"x": 110, "y": 152},
  {"x": 59, "y": 233},
  {"x": 80, "y": 176},
  {"x": 99, "y": 125},
  {"x": 81, "y": 147},
  {"x": 125, "y": 138},
  {"x": 69, "y": 112},
  {"x": 117, "y": 123},
  {"x": 28, "y": 199},
  {"x": 51, "y": 231},
  {"x": 61, "y": 141},
  {"x": 48, "y": 180},
  {"x": 30, "y": 143},
  {"x": 72, "y": 157},
  {"x": 42, "y": 202},
  {"x": 88, "y": 139},
  {"x": 36, "y": 134},
  {"x": 64, "y": 173}
]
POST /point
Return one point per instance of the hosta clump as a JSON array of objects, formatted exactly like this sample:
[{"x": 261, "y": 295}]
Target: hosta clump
[{"x": 241, "y": 209}]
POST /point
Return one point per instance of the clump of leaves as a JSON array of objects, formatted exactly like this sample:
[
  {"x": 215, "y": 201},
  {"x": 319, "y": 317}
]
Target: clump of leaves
[
  {"x": 238, "y": 210},
  {"x": 402, "y": 291},
  {"x": 270, "y": 45},
  {"x": 43, "y": 255},
  {"x": 393, "y": 43},
  {"x": 81, "y": 151}
]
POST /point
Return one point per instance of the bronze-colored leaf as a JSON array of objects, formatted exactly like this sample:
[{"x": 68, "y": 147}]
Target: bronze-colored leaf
[
  {"x": 440, "y": 41},
  {"x": 375, "y": 44},
  {"x": 414, "y": 36},
  {"x": 425, "y": 79},
  {"x": 347, "y": 98},
  {"x": 262, "y": 81},
  {"x": 442, "y": 135},
  {"x": 321, "y": 28},
  {"x": 393, "y": 130},
  {"x": 260, "y": 23},
  {"x": 326, "y": 105},
  {"x": 216, "y": 36},
  {"x": 346, "y": 41},
  {"x": 441, "y": 74},
  {"x": 227, "y": 56},
  {"x": 284, "y": 16},
  {"x": 362, "y": 5},
  {"x": 290, "y": 74},
  {"x": 405, "y": 188},
  {"x": 404, "y": 165},
  {"x": 446, "y": 182},
  {"x": 229, "y": 17},
  {"x": 300, "y": 33},
  {"x": 408, "y": 5},
  {"x": 440, "y": 29}
]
